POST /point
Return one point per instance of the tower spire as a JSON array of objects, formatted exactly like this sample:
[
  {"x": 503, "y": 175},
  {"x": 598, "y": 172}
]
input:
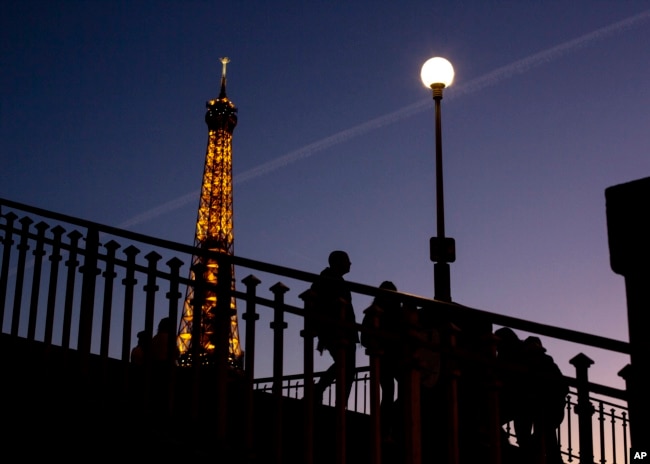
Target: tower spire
[
  {"x": 224, "y": 63},
  {"x": 214, "y": 232}
]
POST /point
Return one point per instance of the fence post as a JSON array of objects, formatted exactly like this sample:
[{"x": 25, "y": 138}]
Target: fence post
[
  {"x": 342, "y": 371},
  {"x": 150, "y": 289},
  {"x": 374, "y": 353},
  {"x": 71, "y": 264},
  {"x": 308, "y": 388},
  {"x": 129, "y": 282},
  {"x": 222, "y": 321},
  {"x": 452, "y": 373},
  {"x": 20, "y": 274},
  {"x": 39, "y": 252},
  {"x": 89, "y": 270},
  {"x": 251, "y": 318},
  {"x": 173, "y": 295},
  {"x": 109, "y": 278},
  {"x": 198, "y": 300},
  {"x": 7, "y": 241},
  {"x": 55, "y": 259},
  {"x": 493, "y": 385},
  {"x": 584, "y": 409},
  {"x": 626, "y": 374},
  {"x": 412, "y": 380},
  {"x": 278, "y": 325}
]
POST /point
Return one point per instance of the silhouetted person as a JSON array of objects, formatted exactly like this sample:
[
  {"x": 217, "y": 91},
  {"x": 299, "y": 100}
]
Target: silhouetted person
[
  {"x": 138, "y": 351},
  {"x": 510, "y": 355},
  {"x": 545, "y": 393},
  {"x": 532, "y": 396},
  {"x": 386, "y": 311},
  {"x": 163, "y": 353},
  {"x": 333, "y": 305},
  {"x": 160, "y": 343}
]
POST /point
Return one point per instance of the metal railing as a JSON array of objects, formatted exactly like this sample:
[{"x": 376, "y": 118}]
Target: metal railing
[
  {"x": 611, "y": 438},
  {"x": 89, "y": 288}
]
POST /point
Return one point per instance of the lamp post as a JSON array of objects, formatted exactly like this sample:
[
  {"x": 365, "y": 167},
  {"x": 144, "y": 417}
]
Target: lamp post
[{"x": 438, "y": 73}]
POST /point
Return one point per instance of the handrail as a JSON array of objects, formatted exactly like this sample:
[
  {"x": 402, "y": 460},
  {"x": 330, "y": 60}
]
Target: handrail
[
  {"x": 445, "y": 308},
  {"x": 91, "y": 256}
]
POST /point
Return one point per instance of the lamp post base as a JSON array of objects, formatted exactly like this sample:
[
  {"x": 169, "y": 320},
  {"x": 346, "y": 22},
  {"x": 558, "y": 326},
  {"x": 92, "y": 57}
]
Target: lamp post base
[{"x": 442, "y": 282}]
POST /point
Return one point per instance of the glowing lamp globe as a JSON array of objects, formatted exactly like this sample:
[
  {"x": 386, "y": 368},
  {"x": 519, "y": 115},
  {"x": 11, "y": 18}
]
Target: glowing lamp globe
[{"x": 437, "y": 72}]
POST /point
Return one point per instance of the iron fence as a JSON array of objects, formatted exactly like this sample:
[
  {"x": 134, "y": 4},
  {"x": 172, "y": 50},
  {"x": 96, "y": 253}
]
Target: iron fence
[{"x": 80, "y": 286}]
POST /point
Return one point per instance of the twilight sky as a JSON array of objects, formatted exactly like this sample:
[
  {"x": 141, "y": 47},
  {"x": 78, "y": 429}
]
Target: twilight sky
[{"x": 102, "y": 109}]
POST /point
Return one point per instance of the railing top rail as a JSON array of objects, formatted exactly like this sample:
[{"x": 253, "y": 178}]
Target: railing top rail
[{"x": 443, "y": 308}]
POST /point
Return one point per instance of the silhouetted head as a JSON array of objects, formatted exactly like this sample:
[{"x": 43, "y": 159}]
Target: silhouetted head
[
  {"x": 339, "y": 262},
  {"x": 507, "y": 337},
  {"x": 143, "y": 336},
  {"x": 534, "y": 344},
  {"x": 383, "y": 300},
  {"x": 165, "y": 325}
]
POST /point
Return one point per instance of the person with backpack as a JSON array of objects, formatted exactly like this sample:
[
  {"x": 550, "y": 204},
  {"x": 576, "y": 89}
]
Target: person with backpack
[
  {"x": 335, "y": 319},
  {"x": 385, "y": 314},
  {"x": 532, "y": 396},
  {"x": 546, "y": 390}
]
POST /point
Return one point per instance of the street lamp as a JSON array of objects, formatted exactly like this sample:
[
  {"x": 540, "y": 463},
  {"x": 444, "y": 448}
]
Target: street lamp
[{"x": 438, "y": 73}]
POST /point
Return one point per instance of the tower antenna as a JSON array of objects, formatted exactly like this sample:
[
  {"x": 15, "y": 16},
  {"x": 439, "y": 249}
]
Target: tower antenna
[{"x": 224, "y": 64}]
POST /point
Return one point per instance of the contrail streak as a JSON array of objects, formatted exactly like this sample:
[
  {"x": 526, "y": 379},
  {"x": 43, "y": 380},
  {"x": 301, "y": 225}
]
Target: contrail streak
[{"x": 473, "y": 86}]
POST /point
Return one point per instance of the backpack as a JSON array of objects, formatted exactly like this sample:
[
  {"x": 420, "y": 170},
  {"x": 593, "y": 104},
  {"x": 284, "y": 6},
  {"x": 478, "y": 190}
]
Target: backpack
[{"x": 547, "y": 385}]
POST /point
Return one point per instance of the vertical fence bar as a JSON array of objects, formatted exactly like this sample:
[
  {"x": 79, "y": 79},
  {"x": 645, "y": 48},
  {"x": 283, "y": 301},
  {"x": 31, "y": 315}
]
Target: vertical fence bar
[
  {"x": 7, "y": 243},
  {"x": 584, "y": 408},
  {"x": 569, "y": 427},
  {"x": 173, "y": 295},
  {"x": 613, "y": 423},
  {"x": 89, "y": 271},
  {"x": 601, "y": 431},
  {"x": 341, "y": 397},
  {"x": 251, "y": 318},
  {"x": 20, "y": 274},
  {"x": 109, "y": 279},
  {"x": 624, "y": 427},
  {"x": 55, "y": 260},
  {"x": 198, "y": 299},
  {"x": 374, "y": 352},
  {"x": 71, "y": 264},
  {"x": 129, "y": 283},
  {"x": 308, "y": 363},
  {"x": 278, "y": 325},
  {"x": 558, "y": 431},
  {"x": 150, "y": 288},
  {"x": 39, "y": 252},
  {"x": 224, "y": 312},
  {"x": 411, "y": 415},
  {"x": 493, "y": 384},
  {"x": 412, "y": 380},
  {"x": 452, "y": 374}
]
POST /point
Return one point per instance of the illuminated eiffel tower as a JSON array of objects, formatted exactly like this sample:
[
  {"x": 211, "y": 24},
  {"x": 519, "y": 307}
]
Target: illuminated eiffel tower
[{"x": 214, "y": 228}]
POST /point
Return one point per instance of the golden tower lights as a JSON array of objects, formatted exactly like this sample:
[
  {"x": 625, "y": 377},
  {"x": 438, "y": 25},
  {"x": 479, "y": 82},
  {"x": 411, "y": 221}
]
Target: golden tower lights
[{"x": 214, "y": 227}]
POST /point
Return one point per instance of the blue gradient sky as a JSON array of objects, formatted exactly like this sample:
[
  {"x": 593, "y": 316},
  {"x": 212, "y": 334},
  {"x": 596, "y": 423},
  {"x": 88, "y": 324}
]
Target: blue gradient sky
[{"x": 102, "y": 117}]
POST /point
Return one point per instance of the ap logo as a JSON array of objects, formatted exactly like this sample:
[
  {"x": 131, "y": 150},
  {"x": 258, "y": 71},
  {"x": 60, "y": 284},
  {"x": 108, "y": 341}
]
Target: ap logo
[{"x": 637, "y": 455}]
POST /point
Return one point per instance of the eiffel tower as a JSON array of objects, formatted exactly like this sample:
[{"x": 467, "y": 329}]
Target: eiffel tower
[{"x": 214, "y": 229}]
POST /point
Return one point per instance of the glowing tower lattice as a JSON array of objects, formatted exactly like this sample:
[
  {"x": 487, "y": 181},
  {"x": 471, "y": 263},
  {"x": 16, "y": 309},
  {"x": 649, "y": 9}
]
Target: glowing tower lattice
[{"x": 214, "y": 225}]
